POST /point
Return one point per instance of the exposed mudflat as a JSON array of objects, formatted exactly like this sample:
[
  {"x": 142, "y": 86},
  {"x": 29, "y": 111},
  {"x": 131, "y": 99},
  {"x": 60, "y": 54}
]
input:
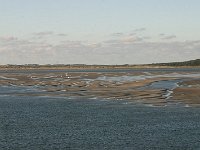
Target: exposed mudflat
[{"x": 157, "y": 88}]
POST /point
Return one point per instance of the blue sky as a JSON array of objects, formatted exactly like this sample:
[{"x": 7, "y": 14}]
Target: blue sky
[{"x": 98, "y": 31}]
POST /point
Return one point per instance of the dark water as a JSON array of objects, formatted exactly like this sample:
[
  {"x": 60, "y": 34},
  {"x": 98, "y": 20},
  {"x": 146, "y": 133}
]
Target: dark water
[{"x": 63, "y": 123}]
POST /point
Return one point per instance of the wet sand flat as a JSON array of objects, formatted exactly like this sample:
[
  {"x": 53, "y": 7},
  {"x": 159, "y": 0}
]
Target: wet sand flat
[
  {"x": 155, "y": 88},
  {"x": 188, "y": 92}
]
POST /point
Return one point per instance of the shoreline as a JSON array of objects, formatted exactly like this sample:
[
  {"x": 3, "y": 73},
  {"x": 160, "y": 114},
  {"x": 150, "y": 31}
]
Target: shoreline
[{"x": 90, "y": 67}]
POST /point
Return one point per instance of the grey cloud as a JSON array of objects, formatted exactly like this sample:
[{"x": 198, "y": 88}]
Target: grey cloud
[
  {"x": 117, "y": 34},
  {"x": 132, "y": 34},
  {"x": 161, "y": 34},
  {"x": 44, "y": 33},
  {"x": 23, "y": 50},
  {"x": 146, "y": 37},
  {"x": 8, "y": 39},
  {"x": 94, "y": 45},
  {"x": 111, "y": 41},
  {"x": 140, "y": 30},
  {"x": 121, "y": 51},
  {"x": 48, "y": 35},
  {"x": 137, "y": 31},
  {"x": 130, "y": 40},
  {"x": 69, "y": 43},
  {"x": 148, "y": 52},
  {"x": 62, "y": 34},
  {"x": 126, "y": 40},
  {"x": 169, "y": 37}
]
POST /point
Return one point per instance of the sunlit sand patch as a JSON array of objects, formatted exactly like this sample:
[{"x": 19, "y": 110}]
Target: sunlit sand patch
[
  {"x": 187, "y": 95},
  {"x": 188, "y": 92}
]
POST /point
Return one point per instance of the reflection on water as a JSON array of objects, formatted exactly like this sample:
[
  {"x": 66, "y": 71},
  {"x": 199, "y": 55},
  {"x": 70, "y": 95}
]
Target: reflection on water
[
  {"x": 166, "y": 84},
  {"x": 143, "y": 77}
]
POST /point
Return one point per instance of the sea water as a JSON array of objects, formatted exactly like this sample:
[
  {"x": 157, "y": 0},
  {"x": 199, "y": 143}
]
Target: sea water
[{"x": 64, "y": 123}]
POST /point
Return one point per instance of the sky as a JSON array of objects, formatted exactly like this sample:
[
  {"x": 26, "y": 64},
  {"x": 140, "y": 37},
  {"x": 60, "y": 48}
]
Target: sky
[{"x": 98, "y": 31}]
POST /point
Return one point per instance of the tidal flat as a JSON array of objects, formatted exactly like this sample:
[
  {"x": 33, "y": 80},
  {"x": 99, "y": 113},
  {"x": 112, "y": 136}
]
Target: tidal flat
[
  {"x": 157, "y": 87},
  {"x": 105, "y": 109}
]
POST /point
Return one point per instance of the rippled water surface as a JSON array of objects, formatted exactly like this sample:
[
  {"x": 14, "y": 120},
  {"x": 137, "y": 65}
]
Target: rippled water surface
[{"x": 62, "y": 123}]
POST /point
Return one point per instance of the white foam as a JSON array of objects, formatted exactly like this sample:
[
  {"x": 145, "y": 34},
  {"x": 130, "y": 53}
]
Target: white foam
[
  {"x": 34, "y": 78},
  {"x": 93, "y": 98},
  {"x": 187, "y": 105},
  {"x": 168, "y": 94}
]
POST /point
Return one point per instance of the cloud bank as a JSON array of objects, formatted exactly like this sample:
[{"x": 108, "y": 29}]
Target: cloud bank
[{"x": 120, "y": 49}]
